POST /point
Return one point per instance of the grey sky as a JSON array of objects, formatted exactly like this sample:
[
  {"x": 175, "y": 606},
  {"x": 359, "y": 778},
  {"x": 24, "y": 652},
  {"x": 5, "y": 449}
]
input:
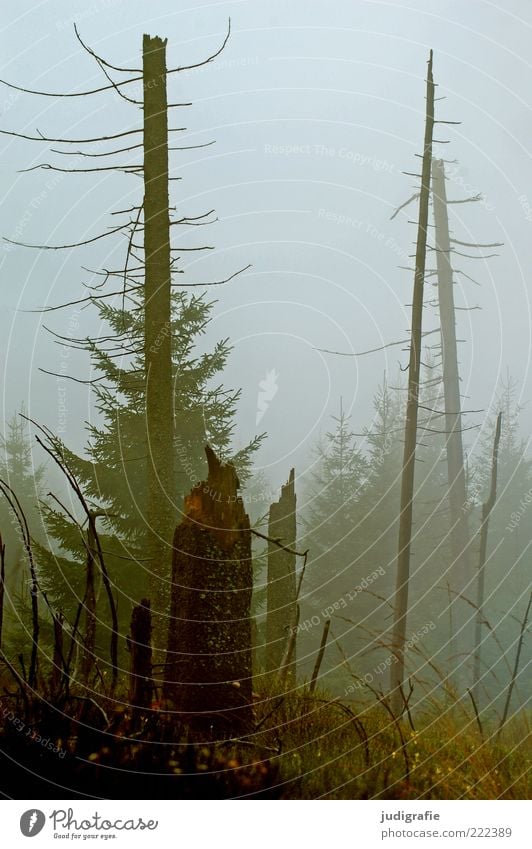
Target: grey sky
[{"x": 316, "y": 109}]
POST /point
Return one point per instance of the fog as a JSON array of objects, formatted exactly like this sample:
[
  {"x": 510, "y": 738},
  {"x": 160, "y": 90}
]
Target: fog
[
  {"x": 316, "y": 110},
  {"x": 171, "y": 611}
]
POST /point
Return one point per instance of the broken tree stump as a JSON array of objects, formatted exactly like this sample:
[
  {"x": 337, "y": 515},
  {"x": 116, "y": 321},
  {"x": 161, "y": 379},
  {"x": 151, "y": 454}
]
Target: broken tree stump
[
  {"x": 281, "y": 615},
  {"x": 208, "y": 668},
  {"x": 139, "y": 645}
]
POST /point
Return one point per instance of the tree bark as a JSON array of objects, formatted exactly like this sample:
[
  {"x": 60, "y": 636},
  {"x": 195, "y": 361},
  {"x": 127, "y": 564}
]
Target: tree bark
[
  {"x": 2, "y": 585},
  {"x": 208, "y": 669},
  {"x": 57, "y": 676},
  {"x": 89, "y": 638},
  {"x": 487, "y": 507},
  {"x": 281, "y": 589},
  {"x": 317, "y": 665},
  {"x": 409, "y": 457},
  {"x": 157, "y": 304},
  {"x": 139, "y": 645}
]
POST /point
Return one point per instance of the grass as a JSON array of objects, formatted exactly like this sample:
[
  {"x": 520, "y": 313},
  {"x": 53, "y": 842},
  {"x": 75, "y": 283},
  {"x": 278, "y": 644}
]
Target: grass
[
  {"x": 330, "y": 751},
  {"x": 303, "y": 747}
]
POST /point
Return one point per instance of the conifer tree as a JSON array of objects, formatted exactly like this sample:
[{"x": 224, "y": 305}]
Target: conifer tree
[{"x": 112, "y": 473}]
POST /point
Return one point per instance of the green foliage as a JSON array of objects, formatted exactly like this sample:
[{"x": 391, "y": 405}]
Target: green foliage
[
  {"x": 509, "y": 551},
  {"x": 349, "y": 517},
  {"x": 112, "y": 475},
  {"x": 18, "y": 471}
]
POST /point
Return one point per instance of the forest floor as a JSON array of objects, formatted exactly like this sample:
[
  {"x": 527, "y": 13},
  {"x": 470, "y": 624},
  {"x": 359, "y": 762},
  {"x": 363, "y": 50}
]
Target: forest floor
[{"x": 303, "y": 746}]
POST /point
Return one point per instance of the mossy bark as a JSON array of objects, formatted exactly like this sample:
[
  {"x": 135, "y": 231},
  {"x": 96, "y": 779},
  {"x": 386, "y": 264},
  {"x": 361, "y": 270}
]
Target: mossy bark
[{"x": 208, "y": 669}]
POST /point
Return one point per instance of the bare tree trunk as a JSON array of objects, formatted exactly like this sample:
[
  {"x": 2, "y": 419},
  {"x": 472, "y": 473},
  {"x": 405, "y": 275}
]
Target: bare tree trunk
[
  {"x": 208, "y": 668},
  {"x": 319, "y": 658},
  {"x": 459, "y": 576},
  {"x": 409, "y": 457},
  {"x": 58, "y": 671},
  {"x": 89, "y": 637},
  {"x": 487, "y": 507},
  {"x": 139, "y": 645},
  {"x": 158, "y": 356},
  {"x": 281, "y": 589},
  {"x": 515, "y": 670}
]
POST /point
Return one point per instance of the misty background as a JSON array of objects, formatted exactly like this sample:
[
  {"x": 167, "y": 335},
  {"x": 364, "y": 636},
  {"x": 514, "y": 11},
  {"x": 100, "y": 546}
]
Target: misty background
[{"x": 316, "y": 110}]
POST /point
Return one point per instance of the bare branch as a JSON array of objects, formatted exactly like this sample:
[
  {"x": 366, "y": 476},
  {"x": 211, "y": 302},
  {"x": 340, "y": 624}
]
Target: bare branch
[
  {"x": 69, "y": 94},
  {"x": 399, "y": 208},
  {"x": 477, "y": 245},
  {"x": 205, "y": 61},
  {"x": 473, "y": 199},
  {"x": 95, "y": 155},
  {"x": 214, "y": 282},
  {"x": 67, "y": 247},
  {"x": 75, "y": 379},
  {"x": 279, "y": 544},
  {"x": 96, "y": 140},
  {"x": 102, "y": 61},
  {"x": 45, "y": 166},
  {"x": 374, "y": 350}
]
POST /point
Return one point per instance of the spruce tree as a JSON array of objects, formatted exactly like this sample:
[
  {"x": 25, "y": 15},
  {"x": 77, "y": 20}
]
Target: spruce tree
[
  {"x": 18, "y": 470},
  {"x": 26, "y": 480},
  {"x": 507, "y": 568},
  {"x": 112, "y": 473},
  {"x": 333, "y": 519}
]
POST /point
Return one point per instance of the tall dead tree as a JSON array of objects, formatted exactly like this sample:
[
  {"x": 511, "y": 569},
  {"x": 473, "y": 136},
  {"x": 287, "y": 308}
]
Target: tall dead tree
[
  {"x": 459, "y": 576},
  {"x": 160, "y": 512},
  {"x": 281, "y": 588},
  {"x": 409, "y": 456},
  {"x": 487, "y": 507},
  {"x": 144, "y": 284},
  {"x": 208, "y": 670}
]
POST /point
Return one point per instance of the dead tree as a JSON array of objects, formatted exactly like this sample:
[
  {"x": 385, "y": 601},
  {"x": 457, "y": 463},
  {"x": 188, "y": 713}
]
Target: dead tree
[
  {"x": 143, "y": 279},
  {"x": 459, "y": 574},
  {"x": 281, "y": 588},
  {"x": 409, "y": 457},
  {"x": 139, "y": 645},
  {"x": 208, "y": 668},
  {"x": 160, "y": 512},
  {"x": 55, "y": 449},
  {"x": 487, "y": 507}
]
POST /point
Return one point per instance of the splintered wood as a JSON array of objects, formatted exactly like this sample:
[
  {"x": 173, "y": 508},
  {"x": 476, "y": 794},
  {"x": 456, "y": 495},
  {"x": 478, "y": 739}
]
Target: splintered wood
[
  {"x": 208, "y": 669},
  {"x": 282, "y": 613}
]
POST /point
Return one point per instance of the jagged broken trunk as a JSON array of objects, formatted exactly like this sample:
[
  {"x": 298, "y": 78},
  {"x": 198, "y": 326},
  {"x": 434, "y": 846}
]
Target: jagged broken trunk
[
  {"x": 208, "y": 668},
  {"x": 281, "y": 618}
]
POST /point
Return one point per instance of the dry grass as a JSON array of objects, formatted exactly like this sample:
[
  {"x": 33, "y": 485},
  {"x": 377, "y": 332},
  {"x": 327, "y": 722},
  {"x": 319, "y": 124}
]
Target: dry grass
[
  {"x": 303, "y": 747},
  {"x": 330, "y": 751}
]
